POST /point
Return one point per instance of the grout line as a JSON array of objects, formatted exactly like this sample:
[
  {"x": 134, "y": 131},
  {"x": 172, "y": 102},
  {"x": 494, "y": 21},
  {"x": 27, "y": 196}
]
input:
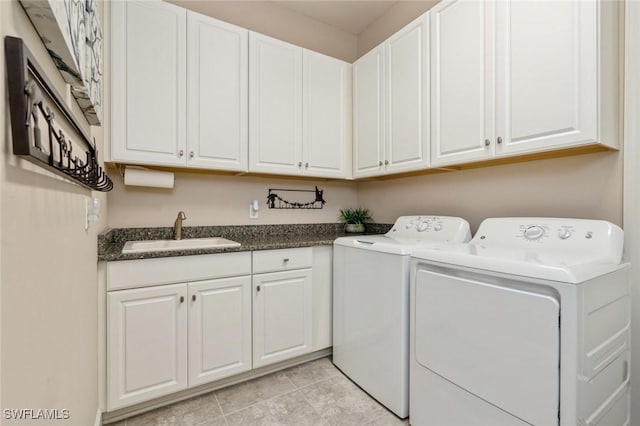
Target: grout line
[
  {"x": 290, "y": 381},
  {"x": 215, "y": 395},
  {"x": 260, "y": 401},
  {"x": 263, "y": 400},
  {"x": 312, "y": 406}
]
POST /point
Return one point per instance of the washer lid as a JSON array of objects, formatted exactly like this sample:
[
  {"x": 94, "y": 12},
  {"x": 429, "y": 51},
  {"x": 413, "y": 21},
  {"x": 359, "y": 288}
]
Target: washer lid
[
  {"x": 412, "y": 232},
  {"x": 566, "y": 250}
]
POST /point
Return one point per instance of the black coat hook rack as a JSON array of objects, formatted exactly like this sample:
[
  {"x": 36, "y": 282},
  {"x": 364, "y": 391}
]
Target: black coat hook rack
[
  {"x": 274, "y": 201},
  {"x": 29, "y": 92}
]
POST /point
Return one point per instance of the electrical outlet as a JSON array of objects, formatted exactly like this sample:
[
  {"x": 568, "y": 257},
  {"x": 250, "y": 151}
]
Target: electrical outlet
[{"x": 254, "y": 208}]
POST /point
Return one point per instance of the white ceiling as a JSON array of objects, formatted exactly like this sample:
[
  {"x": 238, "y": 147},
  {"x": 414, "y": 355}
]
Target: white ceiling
[{"x": 351, "y": 16}]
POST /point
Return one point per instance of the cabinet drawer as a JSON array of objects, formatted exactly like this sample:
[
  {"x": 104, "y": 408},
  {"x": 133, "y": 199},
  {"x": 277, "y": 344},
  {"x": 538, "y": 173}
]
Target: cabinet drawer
[
  {"x": 282, "y": 260},
  {"x": 141, "y": 273}
]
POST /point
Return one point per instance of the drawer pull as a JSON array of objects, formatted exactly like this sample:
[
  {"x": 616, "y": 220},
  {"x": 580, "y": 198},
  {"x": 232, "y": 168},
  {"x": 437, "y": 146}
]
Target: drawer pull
[
  {"x": 193, "y": 297},
  {"x": 181, "y": 299},
  {"x": 285, "y": 260},
  {"x": 258, "y": 289}
]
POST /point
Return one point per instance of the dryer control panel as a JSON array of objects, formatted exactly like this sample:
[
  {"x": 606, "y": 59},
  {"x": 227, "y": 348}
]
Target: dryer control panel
[
  {"x": 597, "y": 237},
  {"x": 432, "y": 228}
]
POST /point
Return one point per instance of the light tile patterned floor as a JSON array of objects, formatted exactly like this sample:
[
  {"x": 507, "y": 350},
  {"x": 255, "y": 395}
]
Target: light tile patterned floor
[{"x": 315, "y": 393}]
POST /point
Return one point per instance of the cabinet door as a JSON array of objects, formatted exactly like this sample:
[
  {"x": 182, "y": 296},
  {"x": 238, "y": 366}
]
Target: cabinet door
[
  {"x": 462, "y": 88},
  {"x": 219, "y": 329},
  {"x": 407, "y": 85},
  {"x": 147, "y": 343},
  {"x": 547, "y": 75},
  {"x": 275, "y": 106},
  {"x": 217, "y": 110},
  {"x": 327, "y": 116},
  {"x": 282, "y": 316},
  {"x": 148, "y": 82},
  {"x": 368, "y": 114}
]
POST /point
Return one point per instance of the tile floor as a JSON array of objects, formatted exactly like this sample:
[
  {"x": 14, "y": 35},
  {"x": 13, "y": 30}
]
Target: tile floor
[{"x": 315, "y": 393}]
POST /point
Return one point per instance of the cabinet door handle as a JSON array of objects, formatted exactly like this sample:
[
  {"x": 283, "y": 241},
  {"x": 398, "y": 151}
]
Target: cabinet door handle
[
  {"x": 299, "y": 163},
  {"x": 386, "y": 162},
  {"x": 193, "y": 297},
  {"x": 487, "y": 142},
  {"x": 258, "y": 289},
  {"x": 499, "y": 140},
  {"x": 181, "y": 153},
  {"x": 285, "y": 260},
  {"x": 191, "y": 154},
  {"x": 181, "y": 299},
  {"x": 306, "y": 165},
  {"x": 379, "y": 163}
]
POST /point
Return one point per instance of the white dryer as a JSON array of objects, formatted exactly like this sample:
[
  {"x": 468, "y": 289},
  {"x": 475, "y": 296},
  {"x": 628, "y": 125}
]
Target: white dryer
[
  {"x": 371, "y": 303},
  {"x": 527, "y": 324}
]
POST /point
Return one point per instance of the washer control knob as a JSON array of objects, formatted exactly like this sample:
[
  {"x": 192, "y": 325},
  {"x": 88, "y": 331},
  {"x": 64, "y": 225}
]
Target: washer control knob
[
  {"x": 564, "y": 233},
  {"x": 533, "y": 233},
  {"x": 437, "y": 227},
  {"x": 422, "y": 226}
]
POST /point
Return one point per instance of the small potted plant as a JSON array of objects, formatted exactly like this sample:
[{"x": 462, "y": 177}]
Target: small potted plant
[{"x": 354, "y": 219}]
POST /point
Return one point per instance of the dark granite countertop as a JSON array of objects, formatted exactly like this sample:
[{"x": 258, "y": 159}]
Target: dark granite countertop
[{"x": 250, "y": 237}]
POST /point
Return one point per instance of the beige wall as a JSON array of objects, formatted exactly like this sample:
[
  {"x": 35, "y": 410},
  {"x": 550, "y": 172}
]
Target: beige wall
[
  {"x": 276, "y": 21},
  {"x": 631, "y": 189},
  {"x": 396, "y": 17},
  {"x": 583, "y": 186},
  {"x": 48, "y": 272},
  {"x": 221, "y": 200}
]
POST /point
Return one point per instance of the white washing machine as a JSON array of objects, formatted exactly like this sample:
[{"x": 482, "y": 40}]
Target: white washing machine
[
  {"x": 527, "y": 324},
  {"x": 371, "y": 303}
]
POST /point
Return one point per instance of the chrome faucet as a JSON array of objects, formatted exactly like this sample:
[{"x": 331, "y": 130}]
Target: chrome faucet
[{"x": 177, "y": 226}]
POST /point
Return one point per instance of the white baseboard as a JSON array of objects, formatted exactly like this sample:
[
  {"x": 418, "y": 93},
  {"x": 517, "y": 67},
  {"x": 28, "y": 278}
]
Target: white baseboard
[{"x": 98, "y": 420}]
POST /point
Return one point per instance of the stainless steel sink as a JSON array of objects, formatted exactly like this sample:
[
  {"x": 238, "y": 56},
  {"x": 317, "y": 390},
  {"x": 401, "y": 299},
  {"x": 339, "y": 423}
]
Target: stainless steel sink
[{"x": 186, "y": 244}]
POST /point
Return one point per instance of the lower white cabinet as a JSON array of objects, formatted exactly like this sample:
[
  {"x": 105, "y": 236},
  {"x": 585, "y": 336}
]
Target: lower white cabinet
[
  {"x": 146, "y": 343},
  {"x": 219, "y": 329},
  {"x": 282, "y": 315},
  {"x": 151, "y": 331},
  {"x": 180, "y": 322}
]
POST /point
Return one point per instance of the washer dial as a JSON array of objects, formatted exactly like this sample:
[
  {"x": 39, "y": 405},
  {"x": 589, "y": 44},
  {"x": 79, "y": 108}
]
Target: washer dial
[
  {"x": 422, "y": 226},
  {"x": 533, "y": 233},
  {"x": 564, "y": 233}
]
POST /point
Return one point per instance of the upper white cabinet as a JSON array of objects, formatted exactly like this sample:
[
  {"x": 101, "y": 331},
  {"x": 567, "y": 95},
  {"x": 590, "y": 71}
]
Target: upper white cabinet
[
  {"x": 391, "y": 101},
  {"x": 548, "y": 74},
  {"x": 467, "y": 81},
  {"x": 521, "y": 77},
  {"x": 275, "y": 90},
  {"x": 148, "y": 82},
  {"x": 407, "y": 98},
  {"x": 217, "y": 94},
  {"x": 462, "y": 91},
  {"x": 368, "y": 113},
  {"x": 179, "y": 88},
  {"x": 326, "y": 108},
  {"x": 299, "y": 110}
]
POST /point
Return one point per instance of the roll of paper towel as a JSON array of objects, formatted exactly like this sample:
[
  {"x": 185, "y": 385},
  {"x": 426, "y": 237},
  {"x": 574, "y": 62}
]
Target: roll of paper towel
[{"x": 139, "y": 176}]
